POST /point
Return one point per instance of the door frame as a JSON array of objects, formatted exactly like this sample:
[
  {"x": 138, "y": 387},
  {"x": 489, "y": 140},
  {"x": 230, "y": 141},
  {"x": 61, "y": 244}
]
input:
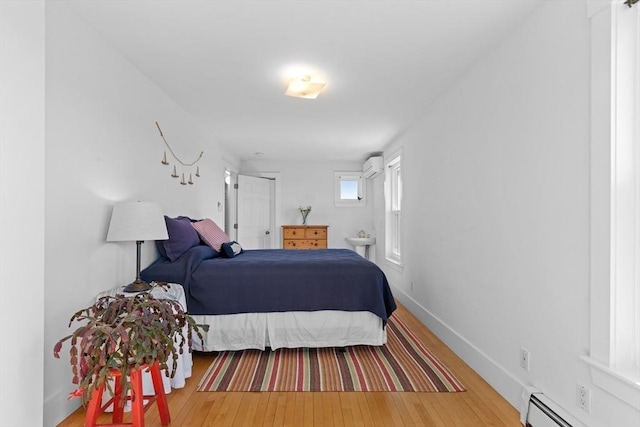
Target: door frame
[
  {"x": 276, "y": 217},
  {"x": 230, "y": 202}
]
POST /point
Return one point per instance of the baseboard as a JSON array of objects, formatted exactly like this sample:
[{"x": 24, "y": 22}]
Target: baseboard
[
  {"x": 509, "y": 387},
  {"x": 58, "y": 407}
]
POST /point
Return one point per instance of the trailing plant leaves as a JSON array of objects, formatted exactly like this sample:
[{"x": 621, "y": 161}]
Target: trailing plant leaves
[{"x": 125, "y": 333}]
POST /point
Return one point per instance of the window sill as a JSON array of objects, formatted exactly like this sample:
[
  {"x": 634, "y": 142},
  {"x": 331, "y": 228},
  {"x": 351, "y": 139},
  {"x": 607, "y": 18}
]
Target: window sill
[
  {"x": 622, "y": 385},
  {"x": 358, "y": 204},
  {"x": 395, "y": 264}
]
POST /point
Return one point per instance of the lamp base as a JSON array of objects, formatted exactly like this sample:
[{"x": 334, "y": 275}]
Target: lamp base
[{"x": 137, "y": 286}]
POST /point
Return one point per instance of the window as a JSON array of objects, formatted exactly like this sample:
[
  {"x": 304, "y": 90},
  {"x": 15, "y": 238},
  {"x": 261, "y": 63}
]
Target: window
[
  {"x": 350, "y": 189},
  {"x": 393, "y": 202},
  {"x": 615, "y": 202}
]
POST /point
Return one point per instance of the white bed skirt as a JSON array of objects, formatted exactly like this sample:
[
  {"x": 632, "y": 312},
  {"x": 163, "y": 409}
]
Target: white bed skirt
[{"x": 295, "y": 329}]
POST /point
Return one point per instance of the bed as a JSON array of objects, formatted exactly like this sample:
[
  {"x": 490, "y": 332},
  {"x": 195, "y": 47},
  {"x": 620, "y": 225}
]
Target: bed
[{"x": 273, "y": 298}]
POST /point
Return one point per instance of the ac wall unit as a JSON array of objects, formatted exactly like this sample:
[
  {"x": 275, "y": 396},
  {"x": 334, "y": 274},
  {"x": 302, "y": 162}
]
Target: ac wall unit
[{"x": 372, "y": 167}]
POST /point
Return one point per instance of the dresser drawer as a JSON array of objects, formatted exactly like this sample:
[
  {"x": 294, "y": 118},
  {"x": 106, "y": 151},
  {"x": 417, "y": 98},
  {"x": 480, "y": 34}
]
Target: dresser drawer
[
  {"x": 316, "y": 233},
  {"x": 305, "y": 244},
  {"x": 294, "y": 233}
]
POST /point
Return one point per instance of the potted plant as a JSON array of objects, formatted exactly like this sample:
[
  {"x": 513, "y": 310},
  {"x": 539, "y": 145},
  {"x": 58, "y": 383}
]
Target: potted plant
[{"x": 125, "y": 333}]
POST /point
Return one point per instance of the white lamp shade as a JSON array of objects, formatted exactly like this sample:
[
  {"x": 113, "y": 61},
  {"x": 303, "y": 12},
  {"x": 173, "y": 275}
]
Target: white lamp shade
[{"x": 137, "y": 221}]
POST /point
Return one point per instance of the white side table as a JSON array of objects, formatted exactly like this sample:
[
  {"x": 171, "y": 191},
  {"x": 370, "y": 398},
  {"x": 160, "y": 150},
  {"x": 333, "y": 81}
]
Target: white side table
[{"x": 185, "y": 362}]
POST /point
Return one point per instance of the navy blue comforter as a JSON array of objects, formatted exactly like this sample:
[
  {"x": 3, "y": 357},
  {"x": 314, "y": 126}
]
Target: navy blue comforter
[{"x": 276, "y": 280}]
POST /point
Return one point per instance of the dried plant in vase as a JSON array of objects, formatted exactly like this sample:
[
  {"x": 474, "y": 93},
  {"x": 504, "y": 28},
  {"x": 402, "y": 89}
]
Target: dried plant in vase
[
  {"x": 304, "y": 211},
  {"x": 125, "y": 333}
]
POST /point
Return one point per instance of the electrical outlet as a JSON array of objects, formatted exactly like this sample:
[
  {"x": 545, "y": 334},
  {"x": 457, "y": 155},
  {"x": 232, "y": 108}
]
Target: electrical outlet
[
  {"x": 524, "y": 359},
  {"x": 583, "y": 397}
]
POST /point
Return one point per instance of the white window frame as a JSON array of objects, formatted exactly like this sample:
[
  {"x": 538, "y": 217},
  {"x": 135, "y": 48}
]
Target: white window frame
[
  {"x": 393, "y": 209},
  {"x": 339, "y": 178},
  {"x": 614, "y": 356}
]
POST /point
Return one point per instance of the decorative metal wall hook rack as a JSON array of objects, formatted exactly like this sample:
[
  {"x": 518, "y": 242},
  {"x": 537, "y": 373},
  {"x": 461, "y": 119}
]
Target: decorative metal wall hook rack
[
  {"x": 182, "y": 163},
  {"x": 631, "y": 2}
]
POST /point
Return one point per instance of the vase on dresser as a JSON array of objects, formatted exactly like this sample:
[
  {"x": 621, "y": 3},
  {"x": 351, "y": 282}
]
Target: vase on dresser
[{"x": 304, "y": 211}]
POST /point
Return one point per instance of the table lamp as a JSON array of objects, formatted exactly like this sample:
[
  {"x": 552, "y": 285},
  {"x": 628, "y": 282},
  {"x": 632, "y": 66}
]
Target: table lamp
[{"x": 137, "y": 222}]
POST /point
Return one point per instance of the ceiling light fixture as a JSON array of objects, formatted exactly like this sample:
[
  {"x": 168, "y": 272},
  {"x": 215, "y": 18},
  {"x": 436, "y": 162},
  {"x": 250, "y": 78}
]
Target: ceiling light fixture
[{"x": 303, "y": 87}]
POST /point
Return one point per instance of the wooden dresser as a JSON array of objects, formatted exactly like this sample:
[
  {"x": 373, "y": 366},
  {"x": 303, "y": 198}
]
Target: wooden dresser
[{"x": 304, "y": 236}]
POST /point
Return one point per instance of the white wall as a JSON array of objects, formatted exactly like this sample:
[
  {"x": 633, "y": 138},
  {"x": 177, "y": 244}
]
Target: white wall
[
  {"x": 22, "y": 128},
  {"x": 312, "y": 183},
  {"x": 496, "y": 182},
  {"x": 496, "y": 214},
  {"x": 102, "y": 146}
]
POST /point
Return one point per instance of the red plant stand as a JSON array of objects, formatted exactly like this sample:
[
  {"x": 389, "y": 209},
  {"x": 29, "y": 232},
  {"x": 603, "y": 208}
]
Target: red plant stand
[{"x": 137, "y": 398}]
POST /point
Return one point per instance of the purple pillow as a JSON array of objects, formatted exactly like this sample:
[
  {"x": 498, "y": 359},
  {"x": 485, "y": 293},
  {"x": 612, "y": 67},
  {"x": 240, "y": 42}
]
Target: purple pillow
[
  {"x": 160, "y": 246},
  {"x": 182, "y": 237}
]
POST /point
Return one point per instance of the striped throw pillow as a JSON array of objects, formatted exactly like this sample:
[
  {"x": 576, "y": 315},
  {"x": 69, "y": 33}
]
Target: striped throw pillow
[{"x": 210, "y": 233}]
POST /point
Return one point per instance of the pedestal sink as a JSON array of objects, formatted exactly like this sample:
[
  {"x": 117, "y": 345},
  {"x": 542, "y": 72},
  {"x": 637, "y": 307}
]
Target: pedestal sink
[{"x": 361, "y": 244}]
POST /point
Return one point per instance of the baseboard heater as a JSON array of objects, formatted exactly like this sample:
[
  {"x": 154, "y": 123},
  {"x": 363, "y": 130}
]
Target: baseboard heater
[{"x": 537, "y": 410}]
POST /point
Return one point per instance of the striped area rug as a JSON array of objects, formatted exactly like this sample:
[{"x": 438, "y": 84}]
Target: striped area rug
[{"x": 403, "y": 364}]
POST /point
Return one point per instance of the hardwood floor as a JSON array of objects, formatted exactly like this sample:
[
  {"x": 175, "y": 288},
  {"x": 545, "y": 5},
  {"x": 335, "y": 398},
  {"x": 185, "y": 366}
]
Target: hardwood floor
[{"x": 479, "y": 405}]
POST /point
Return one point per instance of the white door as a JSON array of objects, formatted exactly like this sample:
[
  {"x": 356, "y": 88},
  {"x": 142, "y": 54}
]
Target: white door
[{"x": 254, "y": 212}]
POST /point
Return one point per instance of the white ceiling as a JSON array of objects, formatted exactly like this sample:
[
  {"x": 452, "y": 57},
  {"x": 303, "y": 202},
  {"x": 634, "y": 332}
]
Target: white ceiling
[{"x": 227, "y": 64}]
